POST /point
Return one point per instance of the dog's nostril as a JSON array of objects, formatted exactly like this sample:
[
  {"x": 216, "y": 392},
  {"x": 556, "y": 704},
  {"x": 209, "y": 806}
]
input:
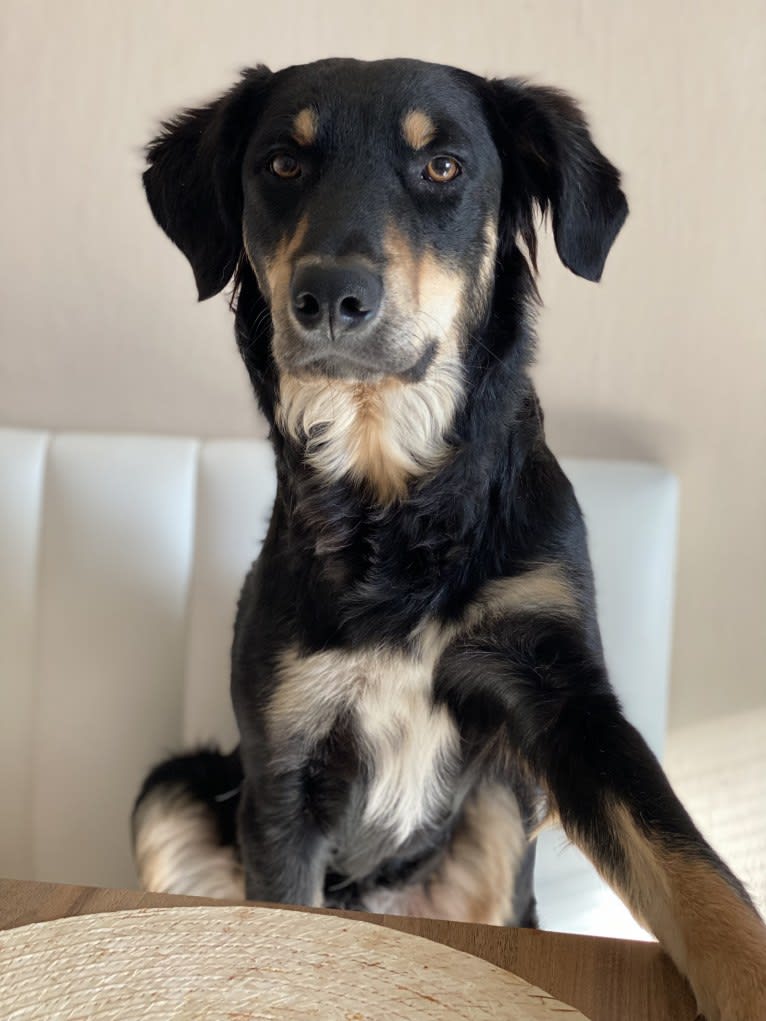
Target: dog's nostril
[
  {"x": 352, "y": 308},
  {"x": 307, "y": 305}
]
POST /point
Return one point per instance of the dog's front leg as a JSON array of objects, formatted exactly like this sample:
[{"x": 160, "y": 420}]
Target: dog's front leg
[
  {"x": 547, "y": 682},
  {"x": 283, "y": 850}
]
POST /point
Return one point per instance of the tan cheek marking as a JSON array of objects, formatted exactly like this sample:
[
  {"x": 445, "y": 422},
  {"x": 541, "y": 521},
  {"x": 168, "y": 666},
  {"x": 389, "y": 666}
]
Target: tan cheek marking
[
  {"x": 418, "y": 129},
  {"x": 713, "y": 937},
  {"x": 279, "y": 265},
  {"x": 420, "y": 287},
  {"x": 401, "y": 277},
  {"x": 486, "y": 276},
  {"x": 305, "y": 126},
  {"x": 452, "y": 300},
  {"x": 441, "y": 293}
]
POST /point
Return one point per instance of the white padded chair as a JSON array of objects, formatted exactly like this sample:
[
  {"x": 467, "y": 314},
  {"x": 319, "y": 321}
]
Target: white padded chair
[{"x": 121, "y": 559}]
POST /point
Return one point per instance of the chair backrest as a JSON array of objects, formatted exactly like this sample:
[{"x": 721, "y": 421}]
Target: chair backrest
[{"x": 121, "y": 559}]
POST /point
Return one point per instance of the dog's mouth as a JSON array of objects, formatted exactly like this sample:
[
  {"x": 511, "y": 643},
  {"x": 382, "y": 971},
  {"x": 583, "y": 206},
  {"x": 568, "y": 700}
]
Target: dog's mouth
[
  {"x": 388, "y": 349},
  {"x": 356, "y": 367}
]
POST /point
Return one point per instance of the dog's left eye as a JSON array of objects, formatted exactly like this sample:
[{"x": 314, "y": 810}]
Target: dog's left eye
[
  {"x": 441, "y": 169},
  {"x": 284, "y": 165}
]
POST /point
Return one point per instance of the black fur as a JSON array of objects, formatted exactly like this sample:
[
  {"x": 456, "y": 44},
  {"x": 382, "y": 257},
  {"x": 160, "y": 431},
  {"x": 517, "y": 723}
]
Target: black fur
[{"x": 341, "y": 571}]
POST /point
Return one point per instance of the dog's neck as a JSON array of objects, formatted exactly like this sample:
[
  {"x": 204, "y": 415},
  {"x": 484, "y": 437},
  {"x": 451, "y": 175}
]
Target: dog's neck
[
  {"x": 369, "y": 571},
  {"x": 384, "y": 443}
]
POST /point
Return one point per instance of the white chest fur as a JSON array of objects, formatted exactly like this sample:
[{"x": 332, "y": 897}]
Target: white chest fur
[{"x": 407, "y": 743}]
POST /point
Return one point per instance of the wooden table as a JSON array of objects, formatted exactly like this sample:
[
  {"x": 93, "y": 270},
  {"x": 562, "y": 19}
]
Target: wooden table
[{"x": 606, "y": 979}]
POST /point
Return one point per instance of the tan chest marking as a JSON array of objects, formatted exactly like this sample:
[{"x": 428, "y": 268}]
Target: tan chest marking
[
  {"x": 545, "y": 589},
  {"x": 382, "y": 435}
]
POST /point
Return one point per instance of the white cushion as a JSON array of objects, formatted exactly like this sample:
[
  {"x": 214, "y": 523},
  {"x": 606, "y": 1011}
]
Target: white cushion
[
  {"x": 631, "y": 512},
  {"x": 121, "y": 559}
]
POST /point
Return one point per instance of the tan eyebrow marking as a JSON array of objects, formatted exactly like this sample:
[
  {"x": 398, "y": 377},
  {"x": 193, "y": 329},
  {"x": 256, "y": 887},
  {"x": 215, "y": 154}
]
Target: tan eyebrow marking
[
  {"x": 418, "y": 129},
  {"x": 305, "y": 126}
]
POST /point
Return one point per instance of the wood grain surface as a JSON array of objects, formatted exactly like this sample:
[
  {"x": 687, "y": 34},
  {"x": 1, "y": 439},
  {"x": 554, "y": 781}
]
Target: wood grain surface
[{"x": 607, "y": 980}]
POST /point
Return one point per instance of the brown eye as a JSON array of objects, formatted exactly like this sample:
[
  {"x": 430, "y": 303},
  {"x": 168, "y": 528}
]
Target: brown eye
[
  {"x": 284, "y": 165},
  {"x": 441, "y": 169}
]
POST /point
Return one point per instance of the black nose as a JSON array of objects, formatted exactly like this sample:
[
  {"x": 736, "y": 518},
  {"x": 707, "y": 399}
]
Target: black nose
[{"x": 333, "y": 294}]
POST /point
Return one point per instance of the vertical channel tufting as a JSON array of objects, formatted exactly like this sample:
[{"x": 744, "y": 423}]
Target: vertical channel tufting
[
  {"x": 116, "y": 560},
  {"x": 22, "y": 483},
  {"x": 235, "y": 494},
  {"x": 631, "y": 512}
]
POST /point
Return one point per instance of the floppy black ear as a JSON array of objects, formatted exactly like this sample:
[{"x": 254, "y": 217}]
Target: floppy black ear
[
  {"x": 193, "y": 179},
  {"x": 547, "y": 151}
]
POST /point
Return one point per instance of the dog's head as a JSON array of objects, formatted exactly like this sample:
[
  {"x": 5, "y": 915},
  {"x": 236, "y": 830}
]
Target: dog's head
[{"x": 373, "y": 203}]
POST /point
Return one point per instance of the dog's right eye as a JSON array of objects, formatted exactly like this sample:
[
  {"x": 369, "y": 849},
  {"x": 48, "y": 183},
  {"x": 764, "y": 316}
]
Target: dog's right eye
[
  {"x": 441, "y": 169},
  {"x": 285, "y": 166}
]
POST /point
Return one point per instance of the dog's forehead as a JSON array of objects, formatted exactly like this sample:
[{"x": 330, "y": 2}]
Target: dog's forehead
[{"x": 413, "y": 97}]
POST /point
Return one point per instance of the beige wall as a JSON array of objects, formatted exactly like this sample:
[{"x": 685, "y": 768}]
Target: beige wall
[{"x": 665, "y": 360}]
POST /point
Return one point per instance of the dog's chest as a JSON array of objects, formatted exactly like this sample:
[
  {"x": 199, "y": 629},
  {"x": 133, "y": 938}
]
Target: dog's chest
[{"x": 407, "y": 745}]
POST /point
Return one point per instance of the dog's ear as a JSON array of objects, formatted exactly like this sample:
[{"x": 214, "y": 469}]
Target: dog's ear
[
  {"x": 193, "y": 179},
  {"x": 549, "y": 159}
]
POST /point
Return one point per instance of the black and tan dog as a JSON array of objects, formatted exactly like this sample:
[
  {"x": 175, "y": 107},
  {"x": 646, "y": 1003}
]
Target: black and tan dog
[{"x": 418, "y": 676}]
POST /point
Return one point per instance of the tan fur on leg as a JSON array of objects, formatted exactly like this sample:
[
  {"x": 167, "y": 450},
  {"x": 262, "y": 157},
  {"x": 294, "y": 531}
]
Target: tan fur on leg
[
  {"x": 475, "y": 880},
  {"x": 177, "y": 850},
  {"x": 713, "y": 936}
]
